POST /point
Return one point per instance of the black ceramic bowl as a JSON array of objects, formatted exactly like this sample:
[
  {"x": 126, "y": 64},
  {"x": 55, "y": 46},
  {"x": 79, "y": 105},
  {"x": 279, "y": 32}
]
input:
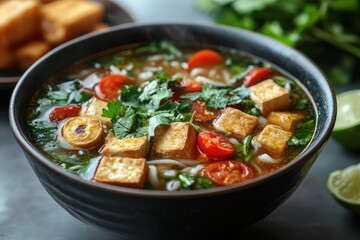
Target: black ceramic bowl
[{"x": 136, "y": 213}]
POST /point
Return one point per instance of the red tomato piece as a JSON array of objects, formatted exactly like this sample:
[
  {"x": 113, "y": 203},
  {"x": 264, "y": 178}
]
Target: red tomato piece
[
  {"x": 214, "y": 145},
  {"x": 109, "y": 86},
  {"x": 205, "y": 58},
  {"x": 228, "y": 172},
  {"x": 190, "y": 86},
  {"x": 60, "y": 113},
  {"x": 202, "y": 113},
  {"x": 257, "y": 75}
]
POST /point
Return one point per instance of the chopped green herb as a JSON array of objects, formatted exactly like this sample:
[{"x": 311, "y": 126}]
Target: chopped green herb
[{"x": 303, "y": 134}]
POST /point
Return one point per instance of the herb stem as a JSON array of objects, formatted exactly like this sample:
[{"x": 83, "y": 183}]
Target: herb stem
[{"x": 325, "y": 36}]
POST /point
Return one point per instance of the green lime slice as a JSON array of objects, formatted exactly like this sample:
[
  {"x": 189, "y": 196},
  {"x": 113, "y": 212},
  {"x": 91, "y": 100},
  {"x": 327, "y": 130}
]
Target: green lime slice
[
  {"x": 344, "y": 185},
  {"x": 347, "y": 125}
]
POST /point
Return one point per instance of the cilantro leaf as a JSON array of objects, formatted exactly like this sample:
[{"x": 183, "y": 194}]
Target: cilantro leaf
[{"x": 303, "y": 134}]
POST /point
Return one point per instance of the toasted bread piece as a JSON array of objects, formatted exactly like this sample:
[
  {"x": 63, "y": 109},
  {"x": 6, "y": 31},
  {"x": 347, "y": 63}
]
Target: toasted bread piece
[
  {"x": 127, "y": 172},
  {"x": 126, "y": 147},
  {"x": 18, "y": 21},
  {"x": 273, "y": 140},
  {"x": 176, "y": 141},
  {"x": 286, "y": 120},
  {"x": 236, "y": 122},
  {"x": 94, "y": 110},
  {"x": 7, "y": 59},
  {"x": 67, "y": 19},
  {"x": 269, "y": 96},
  {"x": 29, "y": 53}
]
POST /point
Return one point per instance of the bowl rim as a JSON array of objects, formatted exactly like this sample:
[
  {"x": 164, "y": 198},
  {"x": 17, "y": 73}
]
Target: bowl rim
[{"x": 310, "y": 150}]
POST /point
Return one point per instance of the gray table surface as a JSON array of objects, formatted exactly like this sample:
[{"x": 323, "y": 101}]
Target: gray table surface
[{"x": 28, "y": 212}]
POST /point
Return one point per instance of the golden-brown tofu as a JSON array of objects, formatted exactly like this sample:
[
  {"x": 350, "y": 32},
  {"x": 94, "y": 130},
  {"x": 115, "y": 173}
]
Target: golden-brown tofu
[
  {"x": 29, "y": 53},
  {"x": 94, "y": 110},
  {"x": 67, "y": 19},
  {"x": 286, "y": 120},
  {"x": 236, "y": 122},
  {"x": 18, "y": 21},
  {"x": 273, "y": 140},
  {"x": 176, "y": 141},
  {"x": 126, "y": 147},
  {"x": 122, "y": 171},
  {"x": 7, "y": 59},
  {"x": 269, "y": 96}
]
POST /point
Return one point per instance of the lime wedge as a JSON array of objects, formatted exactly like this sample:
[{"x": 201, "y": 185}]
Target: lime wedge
[
  {"x": 344, "y": 185},
  {"x": 347, "y": 125}
]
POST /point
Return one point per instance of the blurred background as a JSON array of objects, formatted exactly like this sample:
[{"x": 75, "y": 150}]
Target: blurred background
[{"x": 328, "y": 31}]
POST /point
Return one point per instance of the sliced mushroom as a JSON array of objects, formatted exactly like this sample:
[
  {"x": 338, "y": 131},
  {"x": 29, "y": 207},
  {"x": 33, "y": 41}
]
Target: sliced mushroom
[{"x": 83, "y": 132}]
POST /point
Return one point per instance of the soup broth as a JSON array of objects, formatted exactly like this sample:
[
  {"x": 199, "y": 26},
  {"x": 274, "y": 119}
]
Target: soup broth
[{"x": 157, "y": 116}]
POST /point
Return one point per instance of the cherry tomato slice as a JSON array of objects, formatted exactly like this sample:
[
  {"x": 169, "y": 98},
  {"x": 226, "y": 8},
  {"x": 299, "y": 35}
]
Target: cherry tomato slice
[
  {"x": 214, "y": 145},
  {"x": 190, "y": 86},
  {"x": 205, "y": 58},
  {"x": 202, "y": 113},
  {"x": 228, "y": 172},
  {"x": 257, "y": 75},
  {"x": 60, "y": 113},
  {"x": 110, "y": 85}
]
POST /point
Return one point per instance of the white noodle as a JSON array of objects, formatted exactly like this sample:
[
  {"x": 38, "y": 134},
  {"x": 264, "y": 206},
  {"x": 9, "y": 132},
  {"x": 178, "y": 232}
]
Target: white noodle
[
  {"x": 184, "y": 65},
  {"x": 196, "y": 169},
  {"x": 117, "y": 70},
  {"x": 255, "y": 143},
  {"x": 177, "y": 75},
  {"x": 90, "y": 81},
  {"x": 255, "y": 167},
  {"x": 175, "y": 64},
  {"x": 166, "y": 162},
  {"x": 265, "y": 158},
  {"x": 209, "y": 81},
  {"x": 156, "y": 57},
  {"x": 196, "y": 71},
  {"x": 189, "y": 162},
  {"x": 170, "y": 173},
  {"x": 173, "y": 185},
  {"x": 146, "y": 75},
  {"x": 186, "y": 170},
  {"x": 153, "y": 177}
]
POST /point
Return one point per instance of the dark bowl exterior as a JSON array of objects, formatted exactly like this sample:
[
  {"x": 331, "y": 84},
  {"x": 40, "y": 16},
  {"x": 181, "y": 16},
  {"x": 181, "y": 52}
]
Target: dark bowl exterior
[{"x": 146, "y": 214}]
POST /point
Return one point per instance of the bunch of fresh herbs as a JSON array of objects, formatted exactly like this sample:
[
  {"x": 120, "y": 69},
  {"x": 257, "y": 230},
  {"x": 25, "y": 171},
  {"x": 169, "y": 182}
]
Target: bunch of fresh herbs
[{"x": 328, "y": 31}]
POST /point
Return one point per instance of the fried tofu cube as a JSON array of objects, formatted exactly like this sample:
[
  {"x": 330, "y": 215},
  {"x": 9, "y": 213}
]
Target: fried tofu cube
[
  {"x": 236, "y": 122},
  {"x": 126, "y": 147},
  {"x": 7, "y": 59},
  {"x": 122, "y": 171},
  {"x": 18, "y": 21},
  {"x": 269, "y": 96},
  {"x": 286, "y": 120},
  {"x": 94, "y": 110},
  {"x": 273, "y": 140},
  {"x": 176, "y": 140},
  {"x": 29, "y": 53},
  {"x": 67, "y": 19}
]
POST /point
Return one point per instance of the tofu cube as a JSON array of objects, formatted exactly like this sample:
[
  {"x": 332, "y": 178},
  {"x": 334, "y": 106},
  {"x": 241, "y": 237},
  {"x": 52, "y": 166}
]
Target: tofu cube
[
  {"x": 269, "y": 96},
  {"x": 127, "y": 172},
  {"x": 29, "y": 53},
  {"x": 286, "y": 120},
  {"x": 94, "y": 110},
  {"x": 236, "y": 122},
  {"x": 64, "y": 20},
  {"x": 273, "y": 140},
  {"x": 18, "y": 21},
  {"x": 126, "y": 147},
  {"x": 176, "y": 141}
]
